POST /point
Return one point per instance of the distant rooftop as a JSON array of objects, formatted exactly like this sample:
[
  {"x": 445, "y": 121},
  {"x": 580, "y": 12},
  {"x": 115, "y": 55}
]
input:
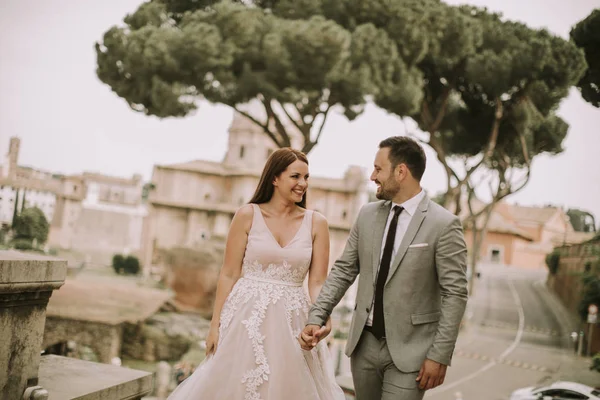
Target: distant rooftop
[{"x": 221, "y": 169}]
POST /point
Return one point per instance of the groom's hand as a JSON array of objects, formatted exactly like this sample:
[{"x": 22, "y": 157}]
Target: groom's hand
[
  {"x": 308, "y": 337},
  {"x": 432, "y": 374},
  {"x": 313, "y": 334},
  {"x": 323, "y": 331}
]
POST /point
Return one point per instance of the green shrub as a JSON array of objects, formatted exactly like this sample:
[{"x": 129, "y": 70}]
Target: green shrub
[
  {"x": 117, "y": 263},
  {"x": 131, "y": 265},
  {"x": 552, "y": 261},
  {"x": 126, "y": 265},
  {"x": 590, "y": 293},
  {"x": 596, "y": 363},
  {"x": 22, "y": 244},
  {"x": 31, "y": 224}
]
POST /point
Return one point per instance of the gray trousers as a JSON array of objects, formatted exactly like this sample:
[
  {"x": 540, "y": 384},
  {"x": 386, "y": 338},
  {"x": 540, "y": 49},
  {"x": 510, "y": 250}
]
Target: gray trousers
[{"x": 375, "y": 375}]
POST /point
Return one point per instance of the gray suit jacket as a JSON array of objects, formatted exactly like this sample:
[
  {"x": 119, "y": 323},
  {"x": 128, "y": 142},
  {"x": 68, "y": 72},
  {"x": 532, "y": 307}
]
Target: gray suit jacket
[{"x": 426, "y": 290}]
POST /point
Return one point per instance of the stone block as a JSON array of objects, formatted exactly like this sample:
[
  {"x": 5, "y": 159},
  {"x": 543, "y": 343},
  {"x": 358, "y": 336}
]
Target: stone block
[
  {"x": 26, "y": 284},
  {"x": 69, "y": 379}
]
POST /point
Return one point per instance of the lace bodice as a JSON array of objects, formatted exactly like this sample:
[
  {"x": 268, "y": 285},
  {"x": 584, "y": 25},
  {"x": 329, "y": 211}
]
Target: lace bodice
[{"x": 266, "y": 260}]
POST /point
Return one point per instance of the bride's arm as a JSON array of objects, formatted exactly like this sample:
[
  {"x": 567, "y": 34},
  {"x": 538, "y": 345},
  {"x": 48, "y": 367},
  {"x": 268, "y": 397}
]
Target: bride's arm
[
  {"x": 237, "y": 238},
  {"x": 320, "y": 256},
  {"x": 319, "y": 267}
]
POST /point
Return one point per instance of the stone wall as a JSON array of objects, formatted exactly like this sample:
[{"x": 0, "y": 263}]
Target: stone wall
[
  {"x": 104, "y": 339},
  {"x": 192, "y": 275},
  {"x": 163, "y": 337},
  {"x": 567, "y": 283}
]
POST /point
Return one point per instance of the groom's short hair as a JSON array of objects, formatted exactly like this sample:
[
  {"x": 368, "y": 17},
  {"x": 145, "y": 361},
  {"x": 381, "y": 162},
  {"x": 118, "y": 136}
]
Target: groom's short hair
[{"x": 404, "y": 150}]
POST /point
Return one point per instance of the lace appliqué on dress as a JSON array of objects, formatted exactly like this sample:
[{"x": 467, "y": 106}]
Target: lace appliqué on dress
[
  {"x": 279, "y": 272},
  {"x": 263, "y": 294}
]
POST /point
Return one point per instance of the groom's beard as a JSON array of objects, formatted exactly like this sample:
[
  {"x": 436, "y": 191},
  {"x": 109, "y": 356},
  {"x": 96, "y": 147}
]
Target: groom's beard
[{"x": 388, "y": 191}]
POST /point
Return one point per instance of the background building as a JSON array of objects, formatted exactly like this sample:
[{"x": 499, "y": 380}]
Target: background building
[
  {"x": 193, "y": 202},
  {"x": 523, "y": 236},
  {"x": 90, "y": 213},
  {"x": 100, "y": 215},
  {"x": 25, "y": 187}
]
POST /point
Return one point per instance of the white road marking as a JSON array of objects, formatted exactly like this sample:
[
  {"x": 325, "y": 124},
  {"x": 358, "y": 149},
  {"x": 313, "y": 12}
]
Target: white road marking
[
  {"x": 521, "y": 312},
  {"x": 491, "y": 364}
]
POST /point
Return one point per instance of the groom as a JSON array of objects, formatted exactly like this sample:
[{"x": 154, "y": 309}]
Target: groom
[{"x": 412, "y": 291}]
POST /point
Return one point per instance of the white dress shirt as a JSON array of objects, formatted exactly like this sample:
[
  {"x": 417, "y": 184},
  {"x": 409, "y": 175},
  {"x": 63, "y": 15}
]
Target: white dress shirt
[{"x": 410, "y": 207}]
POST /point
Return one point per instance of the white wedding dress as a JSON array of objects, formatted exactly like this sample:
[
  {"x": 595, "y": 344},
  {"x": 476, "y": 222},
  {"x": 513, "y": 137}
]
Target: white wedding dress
[{"x": 258, "y": 356}]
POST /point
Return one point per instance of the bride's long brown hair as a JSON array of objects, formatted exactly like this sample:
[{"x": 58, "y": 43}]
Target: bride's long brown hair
[{"x": 277, "y": 163}]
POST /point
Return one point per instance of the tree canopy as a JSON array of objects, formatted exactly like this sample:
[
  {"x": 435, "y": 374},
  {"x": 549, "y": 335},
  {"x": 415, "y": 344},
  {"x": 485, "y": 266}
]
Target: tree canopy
[
  {"x": 172, "y": 53},
  {"x": 485, "y": 90},
  {"x": 488, "y": 88},
  {"x": 582, "y": 221},
  {"x": 586, "y": 35}
]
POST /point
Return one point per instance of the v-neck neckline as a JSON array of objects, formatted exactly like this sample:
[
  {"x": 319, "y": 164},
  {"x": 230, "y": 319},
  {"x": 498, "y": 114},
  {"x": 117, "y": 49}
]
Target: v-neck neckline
[{"x": 271, "y": 233}]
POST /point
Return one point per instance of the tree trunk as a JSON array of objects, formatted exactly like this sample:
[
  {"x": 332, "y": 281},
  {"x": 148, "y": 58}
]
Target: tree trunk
[
  {"x": 452, "y": 200},
  {"x": 477, "y": 241}
]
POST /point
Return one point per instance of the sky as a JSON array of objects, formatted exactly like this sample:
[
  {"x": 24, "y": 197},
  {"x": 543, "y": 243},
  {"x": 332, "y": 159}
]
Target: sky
[{"x": 70, "y": 122}]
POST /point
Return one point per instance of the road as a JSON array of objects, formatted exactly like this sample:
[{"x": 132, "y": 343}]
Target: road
[{"x": 517, "y": 335}]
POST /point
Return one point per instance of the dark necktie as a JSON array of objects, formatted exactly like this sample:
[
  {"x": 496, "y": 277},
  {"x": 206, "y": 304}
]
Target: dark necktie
[{"x": 378, "y": 328}]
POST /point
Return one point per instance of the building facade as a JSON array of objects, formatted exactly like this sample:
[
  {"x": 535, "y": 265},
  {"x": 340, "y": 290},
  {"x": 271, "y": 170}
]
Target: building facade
[
  {"x": 24, "y": 187},
  {"x": 100, "y": 215},
  {"x": 195, "y": 201},
  {"x": 92, "y": 213},
  {"x": 16, "y": 195},
  {"x": 522, "y": 236}
]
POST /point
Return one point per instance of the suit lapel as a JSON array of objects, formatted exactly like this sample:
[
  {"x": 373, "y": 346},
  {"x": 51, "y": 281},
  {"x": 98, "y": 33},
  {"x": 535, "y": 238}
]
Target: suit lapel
[
  {"x": 411, "y": 232},
  {"x": 383, "y": 213}
]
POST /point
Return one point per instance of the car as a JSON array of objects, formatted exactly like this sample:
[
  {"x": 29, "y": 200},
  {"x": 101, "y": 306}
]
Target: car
[{"x": 557, "y": 391}]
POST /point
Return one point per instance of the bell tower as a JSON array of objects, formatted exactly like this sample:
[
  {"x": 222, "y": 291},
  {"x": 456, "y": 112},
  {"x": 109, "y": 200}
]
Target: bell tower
[
  {"x": 11, "y": 160},
  {"x": 248, "y": 145}
]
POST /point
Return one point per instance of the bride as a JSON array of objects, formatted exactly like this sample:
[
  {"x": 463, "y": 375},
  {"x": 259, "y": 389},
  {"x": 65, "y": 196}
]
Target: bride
[{"x": 261, "y": 305}]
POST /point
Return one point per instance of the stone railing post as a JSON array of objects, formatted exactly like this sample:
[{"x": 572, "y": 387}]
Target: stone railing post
[{"x": 26, "y": 284}]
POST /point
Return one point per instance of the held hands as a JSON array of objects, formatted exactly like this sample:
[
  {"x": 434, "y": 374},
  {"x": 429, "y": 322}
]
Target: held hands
[
  {"x": 212, "y": 340},
  {"x": 432, "y": 374},
  {"x": 313, "y": 334}
]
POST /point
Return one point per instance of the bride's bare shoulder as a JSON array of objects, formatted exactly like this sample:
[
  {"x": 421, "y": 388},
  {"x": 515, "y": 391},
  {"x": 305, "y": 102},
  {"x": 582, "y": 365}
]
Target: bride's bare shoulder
[
  {"x": 245, "y": 211},
  {"x": 319, "y": 222},
  {"x": 243, "y": 217}
]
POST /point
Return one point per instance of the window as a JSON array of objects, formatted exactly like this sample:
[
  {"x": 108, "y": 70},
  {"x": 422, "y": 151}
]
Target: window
[
  {"x": 242, "y": 149},
  {"x": 344, "y": 214},
  {"x": 496, "y": 254}
]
